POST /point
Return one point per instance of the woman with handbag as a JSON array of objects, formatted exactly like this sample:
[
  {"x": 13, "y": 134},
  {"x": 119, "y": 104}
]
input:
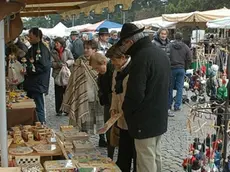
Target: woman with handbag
[
  {"x": 122, "y": 63},
  {"x": 61, "y": 57}
]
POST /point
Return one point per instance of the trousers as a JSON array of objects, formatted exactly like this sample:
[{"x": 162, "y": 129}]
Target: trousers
[
  {"x": 148, "y": 154},
  {"x": 126, "y": 152},
  {"x": 40, "y": 106},
  {"x": 59, "y": 92}
]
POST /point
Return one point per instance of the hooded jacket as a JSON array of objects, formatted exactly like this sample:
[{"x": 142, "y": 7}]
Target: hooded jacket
[{"x": 180, "y": 55}]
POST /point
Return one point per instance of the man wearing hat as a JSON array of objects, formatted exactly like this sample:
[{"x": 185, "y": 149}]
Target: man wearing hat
[
  {"x": 146, "y": 102},
  {"x": 103, "y": 43},
  {"x": 76, "y": 47}
]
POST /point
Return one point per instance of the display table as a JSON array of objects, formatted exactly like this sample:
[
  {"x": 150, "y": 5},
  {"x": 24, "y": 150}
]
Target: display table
[
  {"x": 34, "y": 153},
  {"x": 21, "y": 113}
]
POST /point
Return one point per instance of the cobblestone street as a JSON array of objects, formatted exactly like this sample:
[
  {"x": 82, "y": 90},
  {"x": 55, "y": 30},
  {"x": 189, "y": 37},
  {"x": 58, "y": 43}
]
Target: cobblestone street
[{"x": 174, "y": 142}]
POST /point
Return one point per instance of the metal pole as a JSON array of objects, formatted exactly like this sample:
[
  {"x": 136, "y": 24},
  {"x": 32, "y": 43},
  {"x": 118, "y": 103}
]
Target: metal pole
[
  {"x": 73, "y": 20},
  {"x": 123, "y": 12},
  {"x": 3, "y": 126}
]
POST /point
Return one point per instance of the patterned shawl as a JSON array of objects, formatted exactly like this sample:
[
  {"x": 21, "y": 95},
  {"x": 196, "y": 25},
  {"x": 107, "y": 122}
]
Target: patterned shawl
[{"x": 75, "y": 101}]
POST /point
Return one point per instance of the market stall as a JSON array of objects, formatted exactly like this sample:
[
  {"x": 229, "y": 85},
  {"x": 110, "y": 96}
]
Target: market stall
[{"x": 28, "y": 144}]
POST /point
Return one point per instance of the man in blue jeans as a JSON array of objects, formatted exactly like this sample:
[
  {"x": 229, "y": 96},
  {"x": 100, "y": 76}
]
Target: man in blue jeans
[
  {"x": 180, "y": 58},
  {"x": 38, "y": 72}
]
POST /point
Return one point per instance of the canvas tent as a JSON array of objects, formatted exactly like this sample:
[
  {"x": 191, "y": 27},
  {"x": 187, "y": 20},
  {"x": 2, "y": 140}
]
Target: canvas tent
[
  {"x": 223, "y": 23},
  {"x": 197, "y": 17},
  {"x": 157, "y": 22},
  {"x": 78, "y": 27},
  {"x": 105, "y": 23}
]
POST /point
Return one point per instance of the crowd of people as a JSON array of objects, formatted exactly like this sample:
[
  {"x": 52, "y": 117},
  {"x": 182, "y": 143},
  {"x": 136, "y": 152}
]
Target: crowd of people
[{"x": 126, "y": 74}]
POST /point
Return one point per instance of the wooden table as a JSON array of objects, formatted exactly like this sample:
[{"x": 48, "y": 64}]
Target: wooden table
[
  {"x": 43, "y": 156},
  {"x": 21, "y": 113}
]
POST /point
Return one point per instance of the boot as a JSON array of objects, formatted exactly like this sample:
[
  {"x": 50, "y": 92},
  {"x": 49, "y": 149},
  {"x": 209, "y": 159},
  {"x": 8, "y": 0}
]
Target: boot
[
  {"x": 110, "y": 150},
  {"x": 102, "y": 142}
]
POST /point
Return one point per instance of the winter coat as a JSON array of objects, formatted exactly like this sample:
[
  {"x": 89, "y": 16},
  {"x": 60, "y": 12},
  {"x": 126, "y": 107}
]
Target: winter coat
[
  {"x": 180, "y": 55},
  {"x": 67, "y": 58},
  {"x": 77, "y": 48},
  {"x": 146, "y": 102},
  {"x": 158, "y": 42},
  {"x": 118, "y": 99},
  {"x": 105, "y": 85},
  {"x": 38, "y": 81},
  {"x": 113, "y": 41}
]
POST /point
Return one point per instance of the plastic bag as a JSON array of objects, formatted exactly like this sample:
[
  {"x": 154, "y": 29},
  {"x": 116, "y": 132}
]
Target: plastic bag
[
  {"x": 62, "y": 78},
  {"x": 15, "y": 75}
]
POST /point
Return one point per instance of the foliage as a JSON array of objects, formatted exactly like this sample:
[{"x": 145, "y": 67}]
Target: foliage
[{"x": 141, "y": 9}]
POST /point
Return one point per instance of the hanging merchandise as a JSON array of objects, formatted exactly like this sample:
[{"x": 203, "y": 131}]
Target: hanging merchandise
[{"x": 15, "y": 75}]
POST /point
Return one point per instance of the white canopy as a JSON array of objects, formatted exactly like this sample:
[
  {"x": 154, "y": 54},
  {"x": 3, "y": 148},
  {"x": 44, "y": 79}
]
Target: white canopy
[
  {"x": 157, "y": 22},
  {"x": 58, "y": 30},
  {"x": 223, "y": 23},
  {"x": 197, "y": 16},
  {"x": 77, "y": 28}
]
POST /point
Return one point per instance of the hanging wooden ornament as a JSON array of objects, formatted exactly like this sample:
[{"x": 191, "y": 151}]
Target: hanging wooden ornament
[{"x": 38, "y": 55}]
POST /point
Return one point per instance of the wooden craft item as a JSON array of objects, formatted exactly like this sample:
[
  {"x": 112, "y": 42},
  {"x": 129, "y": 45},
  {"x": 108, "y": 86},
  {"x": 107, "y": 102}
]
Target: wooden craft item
[
  {"x": 32, "y": 168},
  {"x": 20, "y": 151},
  {"x": 82, "y": 145},
  {"x": 98, "y": 162},
  {"x": 59, "y": 165},
  {"x": 46, "y": 148},
  {"x": 66, "y": 128},
  {"x": 74, "y": 135},
  {"x": 109, "y": 124}
]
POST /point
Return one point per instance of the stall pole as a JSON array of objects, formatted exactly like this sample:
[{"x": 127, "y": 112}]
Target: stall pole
[{"x": 3, "y": 126}]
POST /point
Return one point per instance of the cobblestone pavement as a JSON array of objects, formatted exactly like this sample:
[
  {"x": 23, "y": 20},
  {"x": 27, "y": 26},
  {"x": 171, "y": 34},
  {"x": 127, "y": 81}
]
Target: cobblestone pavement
[{"x": 174, "y": 142}]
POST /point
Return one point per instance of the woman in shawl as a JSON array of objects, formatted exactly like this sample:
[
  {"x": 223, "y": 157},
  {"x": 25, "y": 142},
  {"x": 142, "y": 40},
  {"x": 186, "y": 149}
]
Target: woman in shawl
[{"x": 81, "y": 100}]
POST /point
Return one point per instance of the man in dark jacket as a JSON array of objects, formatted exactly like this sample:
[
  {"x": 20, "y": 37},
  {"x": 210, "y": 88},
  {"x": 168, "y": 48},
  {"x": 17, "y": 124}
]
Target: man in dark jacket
[
  {"x": 180, "y": 57},
  {"x": 76, "y": 46},
  {"x": 161, "y": 40},
  {"x": 146, "y": 102},
  {"x": 38, "y": 72}
]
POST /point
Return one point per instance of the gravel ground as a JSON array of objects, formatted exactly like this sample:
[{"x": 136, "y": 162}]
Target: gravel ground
[{"x": 174, "y": 141}]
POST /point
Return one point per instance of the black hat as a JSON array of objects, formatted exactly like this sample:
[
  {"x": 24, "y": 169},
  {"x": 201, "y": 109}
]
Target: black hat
[
  {"x": 129, "y": 30},
  {"x": 103, "y": 30}
]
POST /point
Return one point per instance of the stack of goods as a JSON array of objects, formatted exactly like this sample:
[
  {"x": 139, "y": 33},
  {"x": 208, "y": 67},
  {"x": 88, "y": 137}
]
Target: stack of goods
[
  {"x": 60, "y": 166},
  {"x": 14, "y": 97},
  {"x": 29, "y": 163},
  {"x": 204, "y": 157},
  {"x": 28, "y": 138},
  {"x": 76, "y": 146}
]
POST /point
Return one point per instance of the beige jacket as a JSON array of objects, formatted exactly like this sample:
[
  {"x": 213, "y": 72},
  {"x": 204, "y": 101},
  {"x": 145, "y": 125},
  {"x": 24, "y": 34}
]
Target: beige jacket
[
  {"x": 117, "y": 101},
  {"x": 67, "y": 58}
]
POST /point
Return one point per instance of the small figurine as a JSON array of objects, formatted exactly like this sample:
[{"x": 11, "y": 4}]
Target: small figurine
[
  {"x": 38, "y": 55},
  {"x": 24, "y": 65},
  {"x": 32, "y": 64},
  {"x": 222, "y": 92}
]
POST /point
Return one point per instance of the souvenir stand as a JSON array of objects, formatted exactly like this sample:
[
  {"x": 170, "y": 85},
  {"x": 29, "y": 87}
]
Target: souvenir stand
[
  {"x": 208, "y": 121},
  {"x": 25, "y": 147}
]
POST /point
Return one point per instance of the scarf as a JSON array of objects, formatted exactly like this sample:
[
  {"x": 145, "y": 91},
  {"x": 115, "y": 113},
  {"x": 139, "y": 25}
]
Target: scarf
[
  {"x": 60, "y": 52},
  {"x": 121, "y": 76}
]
